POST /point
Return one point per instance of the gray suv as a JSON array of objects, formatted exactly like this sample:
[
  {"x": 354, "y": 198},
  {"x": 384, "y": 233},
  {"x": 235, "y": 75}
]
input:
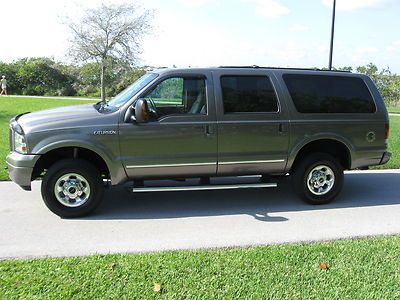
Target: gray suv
[{"x": 202, "y": 123}]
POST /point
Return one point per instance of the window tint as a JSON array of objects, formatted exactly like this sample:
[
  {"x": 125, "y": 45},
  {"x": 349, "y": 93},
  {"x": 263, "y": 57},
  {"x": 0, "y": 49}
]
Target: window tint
[
  {"x": 179, "y": 95},
  {"x": 248, "y": 94},
  {"x": 329, "y": 94}
]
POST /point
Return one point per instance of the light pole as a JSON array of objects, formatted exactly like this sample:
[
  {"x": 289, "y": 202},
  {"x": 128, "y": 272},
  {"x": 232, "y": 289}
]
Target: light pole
[{"x": 332, "y": 33}]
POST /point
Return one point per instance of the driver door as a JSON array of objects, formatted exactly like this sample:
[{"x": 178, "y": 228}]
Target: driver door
[{"x": 180, "y": 138}]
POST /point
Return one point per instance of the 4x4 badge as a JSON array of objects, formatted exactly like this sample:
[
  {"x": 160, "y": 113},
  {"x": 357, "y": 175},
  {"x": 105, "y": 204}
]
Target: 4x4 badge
[{"x": 371, "y": 136}]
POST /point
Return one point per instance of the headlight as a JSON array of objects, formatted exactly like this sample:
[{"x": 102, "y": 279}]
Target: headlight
[{"x": 19, "y": 143}]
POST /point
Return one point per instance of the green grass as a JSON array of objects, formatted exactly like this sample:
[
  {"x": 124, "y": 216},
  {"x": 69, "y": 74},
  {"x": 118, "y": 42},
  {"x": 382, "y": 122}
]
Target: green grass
[
  {"x": 394, "y": 110},
  {"x": 394, "y": 144},
  {"x": 358, "y": 269},
  {"x": 10, "y": 106}
]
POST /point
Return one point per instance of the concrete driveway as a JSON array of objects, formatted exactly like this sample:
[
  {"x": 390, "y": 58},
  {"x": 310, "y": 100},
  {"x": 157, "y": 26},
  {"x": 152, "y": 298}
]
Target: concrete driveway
[{"x": 368, "y": 205}]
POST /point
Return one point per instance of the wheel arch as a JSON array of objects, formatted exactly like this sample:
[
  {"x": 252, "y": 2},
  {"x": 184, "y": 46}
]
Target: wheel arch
[
  {"x": 338, "y": 148},
  {"x": 54, "y": 152}
]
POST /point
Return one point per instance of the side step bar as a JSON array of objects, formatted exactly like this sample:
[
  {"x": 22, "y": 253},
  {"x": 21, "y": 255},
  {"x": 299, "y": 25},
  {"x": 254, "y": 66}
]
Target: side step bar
[{"x": 203, "y": 187}]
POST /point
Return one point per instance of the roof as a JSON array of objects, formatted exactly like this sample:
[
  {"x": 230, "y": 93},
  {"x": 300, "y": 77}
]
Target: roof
[
  {"x": 251, "y": 67},
  {"x": 279, "y": 68}
]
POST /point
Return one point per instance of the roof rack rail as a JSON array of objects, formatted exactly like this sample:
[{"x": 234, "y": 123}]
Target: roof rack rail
[{"x": 280, "y": 68}]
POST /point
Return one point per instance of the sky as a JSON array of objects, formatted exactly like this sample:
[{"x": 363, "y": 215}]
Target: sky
[{"x": 199, "y": 33}]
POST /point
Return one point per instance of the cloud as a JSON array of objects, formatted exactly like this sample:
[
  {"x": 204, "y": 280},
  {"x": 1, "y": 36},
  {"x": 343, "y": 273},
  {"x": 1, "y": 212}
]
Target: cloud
[
  {"x": 270, "y": 8},
  {"x": 191, "y": 51},
  {"x": 196, "y": 2},
  {"x": 366, "y": 50},
  {"x": 298, "y": 28},
  {"x": 349, "y": 5},
  {"x": 393, "y": 47}
]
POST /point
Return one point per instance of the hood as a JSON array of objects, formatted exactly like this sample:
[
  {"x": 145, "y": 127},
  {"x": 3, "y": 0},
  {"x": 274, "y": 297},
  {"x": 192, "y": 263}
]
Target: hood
[{"x": 62, "y": 117}]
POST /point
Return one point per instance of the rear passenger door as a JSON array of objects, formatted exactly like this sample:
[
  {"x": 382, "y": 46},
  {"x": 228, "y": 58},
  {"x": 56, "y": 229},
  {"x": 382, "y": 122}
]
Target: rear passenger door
[{"x": 253, "y": 126}]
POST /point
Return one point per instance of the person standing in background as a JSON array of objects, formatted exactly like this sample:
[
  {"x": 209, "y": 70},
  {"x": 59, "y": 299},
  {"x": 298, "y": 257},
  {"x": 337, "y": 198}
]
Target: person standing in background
[{"x": 3, "y": 86}]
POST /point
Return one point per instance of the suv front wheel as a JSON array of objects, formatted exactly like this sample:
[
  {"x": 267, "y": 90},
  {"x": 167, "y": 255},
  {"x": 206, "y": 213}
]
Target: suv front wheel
[
  {"x": 72, "y": 188},
  {"x": 318, "y": 178}
]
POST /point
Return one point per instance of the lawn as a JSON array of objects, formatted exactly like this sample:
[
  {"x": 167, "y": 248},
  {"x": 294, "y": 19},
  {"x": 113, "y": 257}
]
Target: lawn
[
  {"x": 394, "y": 110},
  {"x": 357, "y": 269},
  {"x": 394, "y": 144},
  {"x": 11, "y": 106}
]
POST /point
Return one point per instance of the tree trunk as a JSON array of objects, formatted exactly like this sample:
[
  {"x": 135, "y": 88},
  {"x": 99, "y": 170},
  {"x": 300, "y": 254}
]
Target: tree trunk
[{"x": 102, "y": 83}]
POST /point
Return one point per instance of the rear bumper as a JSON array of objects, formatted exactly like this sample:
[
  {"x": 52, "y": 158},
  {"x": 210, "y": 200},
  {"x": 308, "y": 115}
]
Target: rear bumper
[
  {"x": 365, "y": 159},
  {"x": 20, "y": 167},
  {"x": 385, "y": 157}
]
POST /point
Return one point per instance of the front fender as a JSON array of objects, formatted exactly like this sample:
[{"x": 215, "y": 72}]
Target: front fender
[{"x": 112, "y": 159}]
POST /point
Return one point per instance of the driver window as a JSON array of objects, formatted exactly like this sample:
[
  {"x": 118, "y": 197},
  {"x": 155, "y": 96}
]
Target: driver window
[{"x": 178, "y": 95}]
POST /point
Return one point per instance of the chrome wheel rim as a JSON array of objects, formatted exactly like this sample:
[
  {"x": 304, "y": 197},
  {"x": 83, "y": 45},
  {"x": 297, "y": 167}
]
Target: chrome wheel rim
[
  {"x": 320, "y": 180},
  {"x": 72, "y": 190}
]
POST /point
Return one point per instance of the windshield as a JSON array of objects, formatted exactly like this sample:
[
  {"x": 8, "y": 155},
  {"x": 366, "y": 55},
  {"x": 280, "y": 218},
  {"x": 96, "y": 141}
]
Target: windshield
[{"x": 132, "y": 90}]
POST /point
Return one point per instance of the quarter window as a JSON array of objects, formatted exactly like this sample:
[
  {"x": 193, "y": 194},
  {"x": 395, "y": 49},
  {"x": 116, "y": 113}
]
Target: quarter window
[
  {"x": 329, "y": 94},
  {"x": 248, "y": 94}
]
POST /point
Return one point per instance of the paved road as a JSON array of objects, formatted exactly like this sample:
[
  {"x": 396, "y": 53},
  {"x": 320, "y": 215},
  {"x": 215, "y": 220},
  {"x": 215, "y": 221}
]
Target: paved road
[{"x": 369, "y": 205}]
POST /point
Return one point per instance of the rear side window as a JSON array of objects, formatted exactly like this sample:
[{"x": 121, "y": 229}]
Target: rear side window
[
  {"x": 243, "y": 94},
  {"x": 329, "y": 94}
]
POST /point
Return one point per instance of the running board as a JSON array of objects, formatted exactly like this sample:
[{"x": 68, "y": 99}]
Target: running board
[{"x": 203, "y": 187}]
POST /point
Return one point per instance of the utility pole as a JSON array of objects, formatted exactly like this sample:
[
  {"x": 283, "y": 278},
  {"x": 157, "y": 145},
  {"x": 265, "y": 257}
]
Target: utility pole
[{"x": 332, "y": 33}]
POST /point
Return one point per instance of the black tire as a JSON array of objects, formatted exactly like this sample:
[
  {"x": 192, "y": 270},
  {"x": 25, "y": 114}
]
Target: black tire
[
  {"x": 92, "y": 185},
  {"x": 304, "y": 187}
]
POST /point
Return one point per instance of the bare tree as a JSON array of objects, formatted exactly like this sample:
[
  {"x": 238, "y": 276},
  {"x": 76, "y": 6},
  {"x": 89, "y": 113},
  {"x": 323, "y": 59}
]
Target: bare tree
[{"x": 109, "y": 32}]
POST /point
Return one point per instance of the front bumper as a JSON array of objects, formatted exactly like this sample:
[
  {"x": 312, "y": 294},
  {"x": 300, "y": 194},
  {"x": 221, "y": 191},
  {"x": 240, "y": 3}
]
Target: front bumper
[
  {"x": 20, "y": 167},
  {"x": 385, "y": 157}
]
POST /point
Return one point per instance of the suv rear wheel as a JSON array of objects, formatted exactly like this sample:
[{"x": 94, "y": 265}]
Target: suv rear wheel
[
  {"x": 72, "y": 188},
  {"x": 318, "y": 178}
]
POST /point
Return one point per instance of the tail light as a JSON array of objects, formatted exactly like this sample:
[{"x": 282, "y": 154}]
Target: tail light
[{"x": 386, "y": 135}]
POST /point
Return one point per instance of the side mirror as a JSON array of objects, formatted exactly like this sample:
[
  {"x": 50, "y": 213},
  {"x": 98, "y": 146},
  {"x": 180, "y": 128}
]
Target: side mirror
[
  {"x": 142, "y": 113},
  {"x": 130, "y": 115}
]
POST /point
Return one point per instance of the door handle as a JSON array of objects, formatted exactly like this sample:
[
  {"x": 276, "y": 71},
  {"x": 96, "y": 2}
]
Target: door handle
[
  {"x": 208, "y": 130},
  {"x": 282, "y": 128}
]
